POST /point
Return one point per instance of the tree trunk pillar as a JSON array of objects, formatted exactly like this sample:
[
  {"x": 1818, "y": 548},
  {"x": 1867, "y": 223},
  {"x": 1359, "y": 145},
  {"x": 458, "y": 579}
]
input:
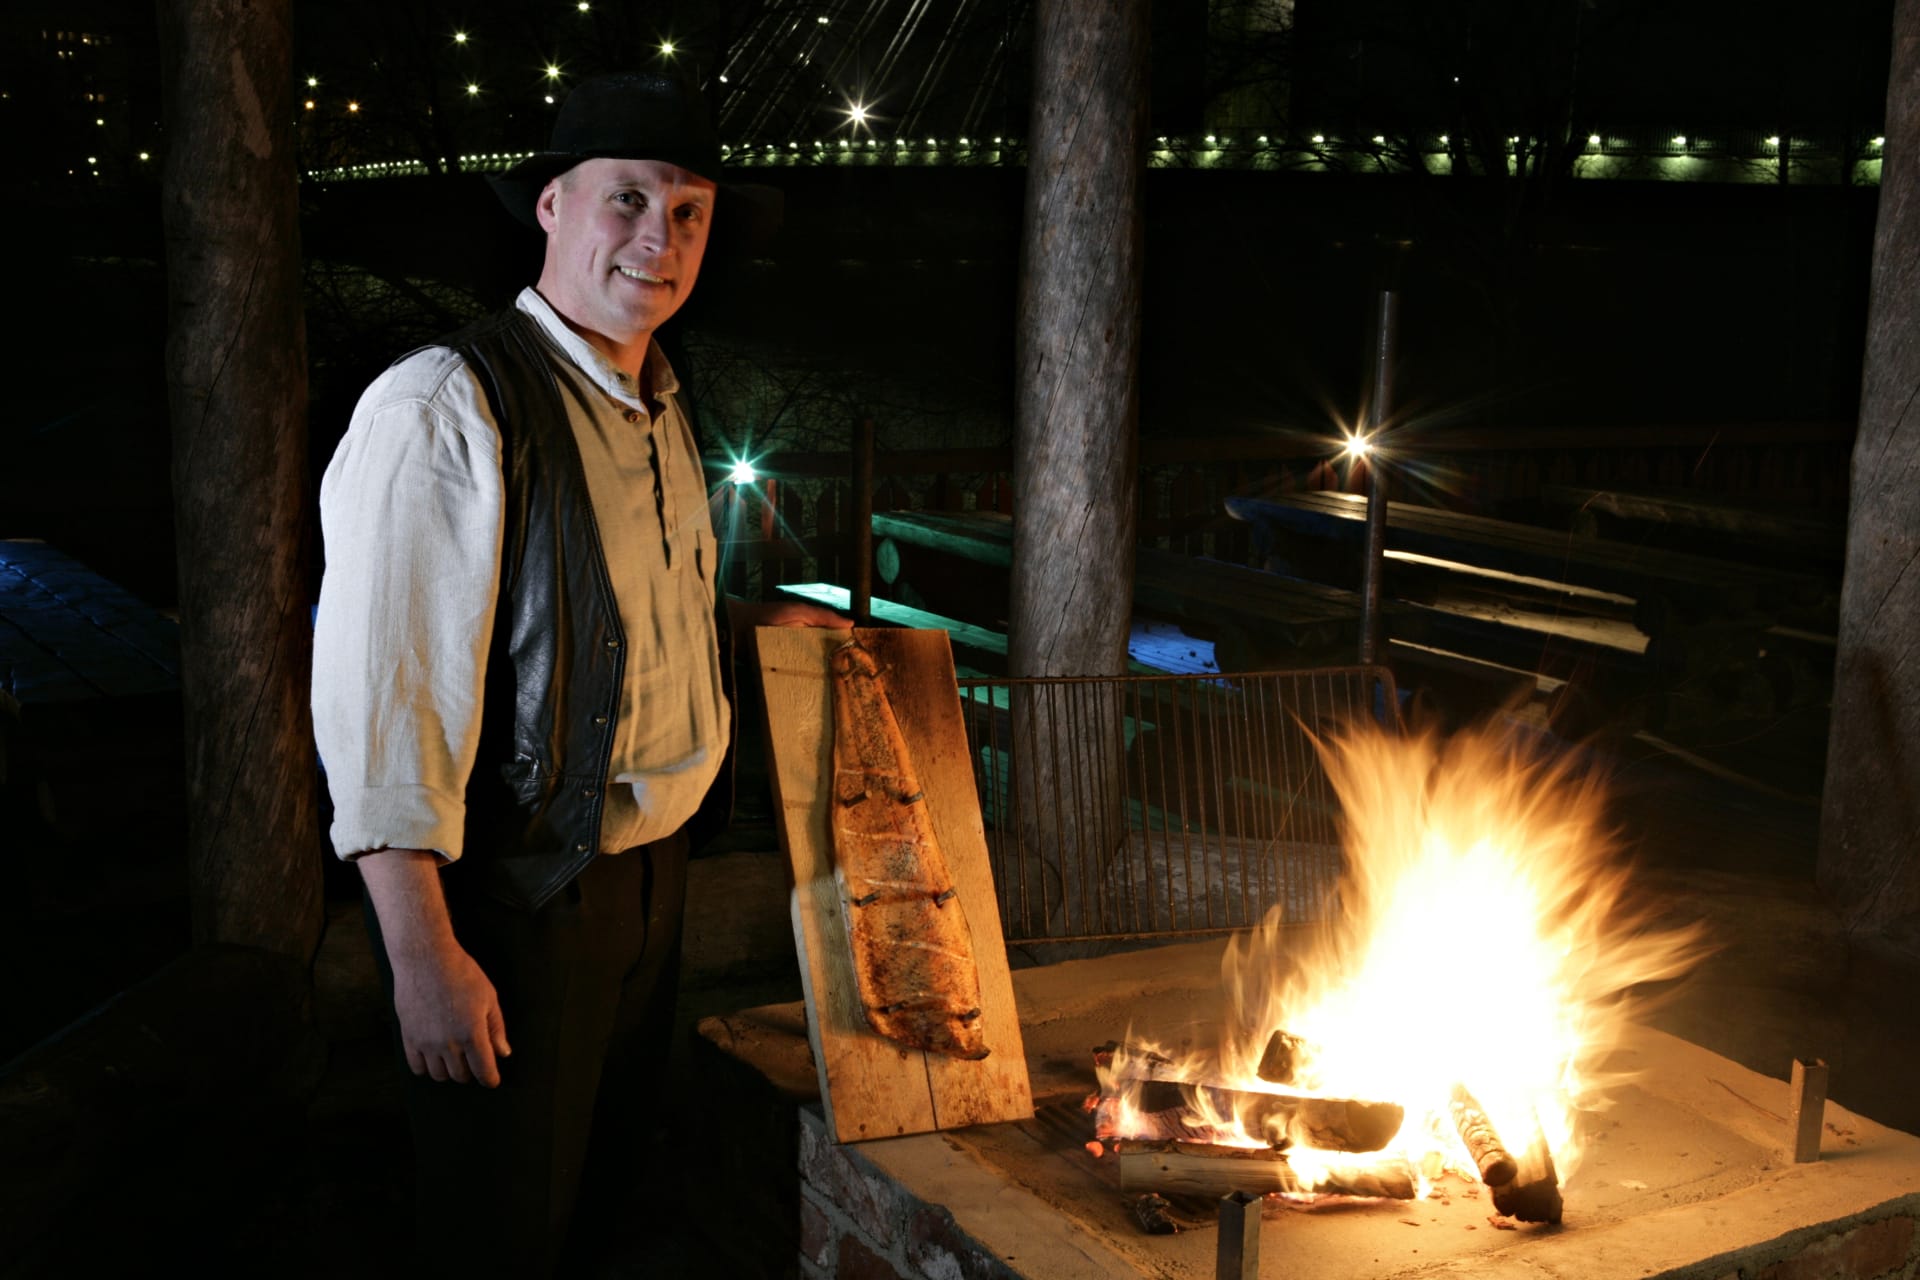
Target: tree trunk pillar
[
  {"x": 1077, "y": 340},
  {"x": 237, "y": 396},
  {"x": 1868, "y": 862},
  {"x": 1075, "y": 475}
]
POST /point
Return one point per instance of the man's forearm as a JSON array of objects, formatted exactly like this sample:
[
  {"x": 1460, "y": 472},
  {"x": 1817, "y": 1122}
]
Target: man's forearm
[
  {"x": 404, "y": 885},
  {"x": 451, "y": 1027}
]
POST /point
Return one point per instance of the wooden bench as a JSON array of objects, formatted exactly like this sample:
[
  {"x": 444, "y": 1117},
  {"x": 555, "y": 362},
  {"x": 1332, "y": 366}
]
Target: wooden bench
[
  {"x": 69, "y": 635},
  {"x": 980, "y": 649},
  {"x": 1257, "y": 618},
  {"x": 1667, "y": 587},
  {"x": 1729, "y": 527},
  {"x": 89, "y": 688}
]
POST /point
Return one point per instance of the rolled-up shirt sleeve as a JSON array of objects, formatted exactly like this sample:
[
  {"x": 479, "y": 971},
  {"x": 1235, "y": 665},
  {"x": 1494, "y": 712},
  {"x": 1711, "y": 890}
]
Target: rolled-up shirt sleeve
[{"x": 410, "y": 511}]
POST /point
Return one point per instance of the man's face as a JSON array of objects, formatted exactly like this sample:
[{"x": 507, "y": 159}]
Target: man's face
[{"x": 624, "y": 243}]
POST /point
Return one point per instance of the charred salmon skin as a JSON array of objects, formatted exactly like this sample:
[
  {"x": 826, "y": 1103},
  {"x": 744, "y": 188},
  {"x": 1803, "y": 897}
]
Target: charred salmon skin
[{"x": 912, "y": 949}]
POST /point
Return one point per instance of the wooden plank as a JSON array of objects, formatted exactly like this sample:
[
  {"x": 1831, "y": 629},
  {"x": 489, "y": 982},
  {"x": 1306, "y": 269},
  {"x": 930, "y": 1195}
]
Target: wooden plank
[
  {"x": 984, "y": 537},
  {"x": 872, "y": 1087},
  {"x": 1698, "y": 509},
  {"x": 1522, "y": 549}
]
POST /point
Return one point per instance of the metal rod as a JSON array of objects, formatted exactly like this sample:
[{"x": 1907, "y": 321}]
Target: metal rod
[
  {"x": 1379, "y": 407},
  {"x": 862, "y": 594},
  {"x": 1237, "y": 1257}
]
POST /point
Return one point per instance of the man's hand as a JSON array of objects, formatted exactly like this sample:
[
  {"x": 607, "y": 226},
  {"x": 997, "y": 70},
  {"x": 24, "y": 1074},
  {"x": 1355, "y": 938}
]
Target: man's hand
[
  {"x": 450, "y": 1023},
  {"x": 745, "y": 615}
]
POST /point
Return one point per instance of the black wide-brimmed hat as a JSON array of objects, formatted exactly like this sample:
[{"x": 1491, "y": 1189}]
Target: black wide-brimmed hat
[{"x": 640, "y": 115}]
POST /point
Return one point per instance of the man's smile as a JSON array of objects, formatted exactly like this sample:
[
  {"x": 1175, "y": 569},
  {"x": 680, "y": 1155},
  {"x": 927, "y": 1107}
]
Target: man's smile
[{"x": 635, "y": 273}]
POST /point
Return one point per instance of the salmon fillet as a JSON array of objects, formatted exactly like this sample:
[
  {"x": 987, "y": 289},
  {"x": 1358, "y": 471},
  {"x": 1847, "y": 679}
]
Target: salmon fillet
[{"x": 912, "y": 949}]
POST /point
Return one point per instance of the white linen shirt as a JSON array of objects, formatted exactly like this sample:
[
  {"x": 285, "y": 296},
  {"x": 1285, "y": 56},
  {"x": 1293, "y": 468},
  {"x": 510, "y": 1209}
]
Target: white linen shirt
[{"x": 410, "y": 509}]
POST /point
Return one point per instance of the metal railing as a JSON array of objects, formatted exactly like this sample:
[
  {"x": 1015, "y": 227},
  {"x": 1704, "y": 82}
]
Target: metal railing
[{"x": 1132, "y": 807}]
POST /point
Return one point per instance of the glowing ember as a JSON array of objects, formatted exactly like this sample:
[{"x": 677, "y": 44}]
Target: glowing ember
[{"x": 1482, "y": 947}]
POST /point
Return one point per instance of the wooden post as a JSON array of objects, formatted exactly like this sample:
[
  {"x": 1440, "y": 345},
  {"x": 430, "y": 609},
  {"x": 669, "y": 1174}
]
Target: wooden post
[
  {"x": 237, "y": 395},
  {"x": 1872, "y": 796},
  {"x": 1078, "y": 341},
  {"x": 1076, "y": 419},
  {"x": 1808, "y": 1108}
]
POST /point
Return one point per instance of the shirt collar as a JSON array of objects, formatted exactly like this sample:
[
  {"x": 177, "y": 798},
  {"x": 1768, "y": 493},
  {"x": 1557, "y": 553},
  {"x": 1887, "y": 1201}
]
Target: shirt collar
[{"x": 587, "y": 358}]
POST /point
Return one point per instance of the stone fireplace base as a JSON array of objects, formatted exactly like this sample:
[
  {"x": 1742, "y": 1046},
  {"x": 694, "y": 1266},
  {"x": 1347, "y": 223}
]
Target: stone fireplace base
[{"x": 1686, "y": 1176}]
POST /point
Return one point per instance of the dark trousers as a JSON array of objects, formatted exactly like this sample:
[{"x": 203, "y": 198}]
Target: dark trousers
[{"x": 586, "y": 988}]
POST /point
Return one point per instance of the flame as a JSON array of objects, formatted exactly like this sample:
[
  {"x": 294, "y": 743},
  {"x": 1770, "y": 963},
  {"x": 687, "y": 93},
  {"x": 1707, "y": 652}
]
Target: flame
[{"x": 1483, "y": 935}]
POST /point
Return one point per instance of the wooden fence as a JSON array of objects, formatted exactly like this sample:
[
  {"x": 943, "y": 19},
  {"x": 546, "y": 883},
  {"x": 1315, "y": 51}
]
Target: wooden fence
[{"x": 795, "y": 522}]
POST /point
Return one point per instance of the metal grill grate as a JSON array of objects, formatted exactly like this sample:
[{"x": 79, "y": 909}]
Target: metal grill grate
[{"x": 1135, "y": 807}]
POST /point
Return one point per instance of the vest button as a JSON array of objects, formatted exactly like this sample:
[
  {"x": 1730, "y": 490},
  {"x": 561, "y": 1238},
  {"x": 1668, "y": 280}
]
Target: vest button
[
  {"x": 633, "y": 415},
  {"x": 599, "y": 719},
  {"x": 589, "y": 792},
  {"x": 581, "y": 847},
  {"x": 613, "y": 644}
]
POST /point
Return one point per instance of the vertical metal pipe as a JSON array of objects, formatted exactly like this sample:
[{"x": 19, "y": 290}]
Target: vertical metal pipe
[
  {"x": 861, "y": 592},
  {"x": 1379, "y": 408}
]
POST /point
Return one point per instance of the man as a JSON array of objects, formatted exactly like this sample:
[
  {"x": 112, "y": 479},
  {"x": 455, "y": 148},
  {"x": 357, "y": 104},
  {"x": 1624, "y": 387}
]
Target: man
[{"x": 518, "y": 682}]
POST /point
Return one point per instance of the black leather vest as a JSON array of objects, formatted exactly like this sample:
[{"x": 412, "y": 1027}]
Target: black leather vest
[{"x": 558, "y": 654}]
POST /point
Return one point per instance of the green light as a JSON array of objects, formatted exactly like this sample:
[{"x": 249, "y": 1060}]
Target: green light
[
  {"x": 666, "y": 48},
  {"x": 1319, "y": 138},
  {"x": 1593, "y": 139},
  {"x": 459, "y": 37},
  {"x": 742, "y": 473},
  {"x": 1679, "y": 139}
]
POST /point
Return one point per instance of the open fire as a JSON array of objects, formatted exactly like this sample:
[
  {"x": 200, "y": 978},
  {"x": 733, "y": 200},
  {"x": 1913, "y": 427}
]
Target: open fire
[{"x": 1450, "y": 1017}]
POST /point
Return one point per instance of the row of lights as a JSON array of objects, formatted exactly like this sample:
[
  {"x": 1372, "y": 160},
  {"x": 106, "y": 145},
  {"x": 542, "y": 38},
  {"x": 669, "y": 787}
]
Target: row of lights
[
  {"x": 1213, "y": 141},
  {"x": 1216, "y": 141},
  {"x": 847, "y": 144},
  {"x": 378, "y": 168}
]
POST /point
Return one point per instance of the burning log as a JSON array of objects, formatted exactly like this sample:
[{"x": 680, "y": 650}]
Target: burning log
[
  {"x": 1281, "y": 1059},
  {"x": 1283, "y": 1119},
  {"x": 1533, "y": 1195},
  {"x": 1496, "y": 1164},
  {"x": 1198, "y": 1169}
]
